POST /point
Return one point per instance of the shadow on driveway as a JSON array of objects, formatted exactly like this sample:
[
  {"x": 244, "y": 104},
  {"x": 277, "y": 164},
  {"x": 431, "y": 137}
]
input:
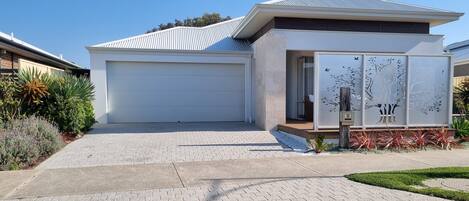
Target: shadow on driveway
[{"x": 146, "y": 128}]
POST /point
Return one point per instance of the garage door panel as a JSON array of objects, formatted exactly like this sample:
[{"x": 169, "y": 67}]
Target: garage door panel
[
  {"x": 173, "y": 92},
  {"x": 172, "y": 115},
  {"x": 192, "y": 99},
  {"x": 162, "y": 84}
]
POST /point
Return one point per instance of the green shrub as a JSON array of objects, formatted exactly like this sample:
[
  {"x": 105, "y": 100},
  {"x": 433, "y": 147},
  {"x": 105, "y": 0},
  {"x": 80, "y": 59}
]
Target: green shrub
[
  {"x": 64, "y": 100},
  {"x": 10, "y": 102},
  {"x": 462, "y": 127},
  {"x": 461, "y": 97},
  {"x": 89, "y": 115},
  {"x": 25, "y": 141},
  {"x": 69, "y": 104}
]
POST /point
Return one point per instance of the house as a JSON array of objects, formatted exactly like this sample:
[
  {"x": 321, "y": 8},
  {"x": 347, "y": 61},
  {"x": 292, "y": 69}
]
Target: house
[
  {"x": 286, "y": 59},
  {"x": 16, "y": 54},
  {"x": 460, "y": 51}
]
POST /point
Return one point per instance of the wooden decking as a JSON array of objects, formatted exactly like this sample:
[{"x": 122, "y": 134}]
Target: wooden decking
[{"x": 306, "y": 129}]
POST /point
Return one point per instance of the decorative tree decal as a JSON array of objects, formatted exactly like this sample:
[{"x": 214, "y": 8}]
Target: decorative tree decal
[
  {"x": 385, "y": 82},
  {"x": 352, "y": 78}
]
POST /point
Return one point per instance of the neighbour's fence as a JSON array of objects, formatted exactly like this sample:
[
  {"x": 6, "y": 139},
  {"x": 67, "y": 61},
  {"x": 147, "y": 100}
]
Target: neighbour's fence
[
  {"x": 388, "y": 90},
  {"x": 457, "y": 81},
  {"x": 7, "y": 72}
]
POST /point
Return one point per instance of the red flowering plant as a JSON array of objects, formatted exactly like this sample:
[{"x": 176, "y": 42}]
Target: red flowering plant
[
  {"x": 362, "y": 140},
  {"x": 441, "y": 138},
  {"x": 420, "y": 139},
  {"x": 393, "y": 140}
]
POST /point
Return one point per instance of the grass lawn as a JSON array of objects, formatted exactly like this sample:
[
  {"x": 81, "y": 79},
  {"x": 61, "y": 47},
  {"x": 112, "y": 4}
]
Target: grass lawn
[{"x": 411, "y": 180}]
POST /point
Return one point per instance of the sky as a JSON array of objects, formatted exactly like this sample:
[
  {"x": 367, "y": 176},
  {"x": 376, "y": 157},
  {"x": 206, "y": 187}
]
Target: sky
[{"x": 67, "y": 26}]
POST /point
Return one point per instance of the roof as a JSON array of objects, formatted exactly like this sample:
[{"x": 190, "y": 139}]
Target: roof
[
  {"x": 460, "y": 51},
  {"x": 216, "y": 38},
  {"x": 10, "y": 39},
  {"x": 354, "y": 4},
  {"x": 378, "y": 10},
  {"x": 458, "y": 45}
]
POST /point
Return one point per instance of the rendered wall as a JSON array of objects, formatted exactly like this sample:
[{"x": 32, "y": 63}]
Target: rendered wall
[{"x": 270, "y": 81}]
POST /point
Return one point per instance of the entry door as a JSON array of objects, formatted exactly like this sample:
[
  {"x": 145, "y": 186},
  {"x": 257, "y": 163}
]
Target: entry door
[
  {"x": 175, "y": 92},
  {"x": 305, "y": 78}
]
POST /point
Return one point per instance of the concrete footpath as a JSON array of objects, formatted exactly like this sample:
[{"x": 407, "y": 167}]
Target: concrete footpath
[{"x": 294, "y": 178}]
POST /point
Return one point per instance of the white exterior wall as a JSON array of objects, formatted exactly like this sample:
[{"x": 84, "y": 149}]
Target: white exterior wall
[
  {"x": 99, "y": 59},
  {"x": 270, "y": 60}
]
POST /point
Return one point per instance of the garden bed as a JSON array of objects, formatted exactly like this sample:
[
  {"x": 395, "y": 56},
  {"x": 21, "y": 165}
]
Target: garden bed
[{"x": 39, "y": 114}]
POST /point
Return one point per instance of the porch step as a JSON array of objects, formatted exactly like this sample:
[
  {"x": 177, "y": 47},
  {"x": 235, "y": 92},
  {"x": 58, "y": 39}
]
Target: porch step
[{"x": 308, "y": 133}]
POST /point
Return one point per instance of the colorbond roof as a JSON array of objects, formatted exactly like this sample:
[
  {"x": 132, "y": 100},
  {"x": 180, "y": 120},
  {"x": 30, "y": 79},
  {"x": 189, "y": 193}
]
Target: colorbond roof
[
  {"x": 458, "y": 45},
  {"x": 216, "y": 37},
  {"x": 354, "y": 4}
]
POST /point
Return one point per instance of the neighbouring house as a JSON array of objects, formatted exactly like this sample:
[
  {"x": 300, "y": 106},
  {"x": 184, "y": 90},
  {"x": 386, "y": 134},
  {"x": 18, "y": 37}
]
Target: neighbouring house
[
  {"x": 460, "y": 51},
  {"x": 16, "y": 54},
  {"x": 286, "y": 59}
]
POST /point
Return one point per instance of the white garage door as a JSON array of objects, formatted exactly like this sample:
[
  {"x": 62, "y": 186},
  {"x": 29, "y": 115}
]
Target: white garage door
[{"x": 175, "y": 92}]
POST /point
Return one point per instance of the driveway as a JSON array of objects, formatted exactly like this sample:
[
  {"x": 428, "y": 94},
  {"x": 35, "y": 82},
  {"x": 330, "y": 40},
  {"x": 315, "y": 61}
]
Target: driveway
[{"x": 133, "y": 144}]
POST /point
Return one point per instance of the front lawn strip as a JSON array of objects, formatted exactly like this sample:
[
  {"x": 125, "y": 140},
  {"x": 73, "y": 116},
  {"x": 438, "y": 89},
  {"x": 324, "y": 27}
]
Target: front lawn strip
[{"x": 412, "y": 181}]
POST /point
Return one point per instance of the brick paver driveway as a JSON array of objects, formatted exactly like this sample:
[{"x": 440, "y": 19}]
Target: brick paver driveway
[{"x": 130, "y": 144}]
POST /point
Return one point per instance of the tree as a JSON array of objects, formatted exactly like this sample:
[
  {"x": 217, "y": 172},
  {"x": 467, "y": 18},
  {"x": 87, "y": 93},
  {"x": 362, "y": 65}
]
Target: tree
[{"x": 204, "y": 20}]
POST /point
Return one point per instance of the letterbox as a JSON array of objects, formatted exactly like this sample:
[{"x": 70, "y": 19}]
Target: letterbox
[{"x": 346, "y": 118}]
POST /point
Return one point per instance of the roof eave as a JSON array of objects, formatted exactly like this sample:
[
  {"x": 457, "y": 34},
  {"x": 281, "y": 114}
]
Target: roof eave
[
  {"x": 434, "y": 18},
  {"x": 41, "y": 54}
]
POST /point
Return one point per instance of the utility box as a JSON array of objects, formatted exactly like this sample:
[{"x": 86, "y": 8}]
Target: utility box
[{"x": 346, "y": 118}]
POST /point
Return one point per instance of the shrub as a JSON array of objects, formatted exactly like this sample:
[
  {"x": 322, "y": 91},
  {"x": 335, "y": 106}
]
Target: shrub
[
  {"x": 393, "y": 140},
  {"x": 89, "y": 115},
  {"x": 461, "y": 96},
  {"x": 319, "y": 144},
  {"x": 462, "y": 127},
  {"x": 420, "y": 139},
  {"x": 69, "y": 104},
  {"x": 10, "y": 103},
  {"x": 17, "y": 150},
  {"x": 33, "y": 89},
  {"x": 362, "y": 141},
  {"x": 441, "y": 138},
  {"x": 47, "y": 135},
  {"x": 64, "y": 100},
  {"x": 25, "y": 141}
]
